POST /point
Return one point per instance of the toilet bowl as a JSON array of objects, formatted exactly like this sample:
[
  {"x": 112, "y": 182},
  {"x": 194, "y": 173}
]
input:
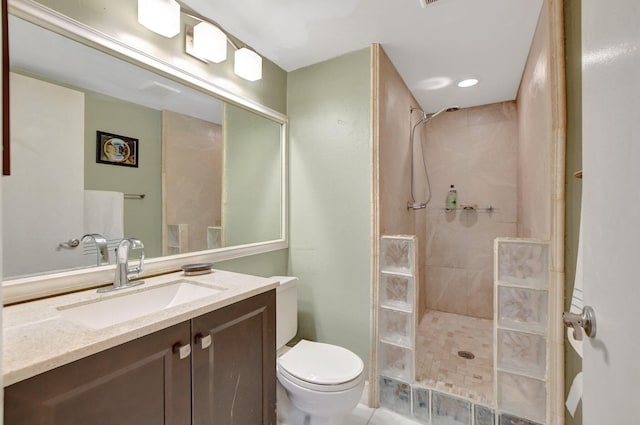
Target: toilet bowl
[{"x": 323, "y": 381}]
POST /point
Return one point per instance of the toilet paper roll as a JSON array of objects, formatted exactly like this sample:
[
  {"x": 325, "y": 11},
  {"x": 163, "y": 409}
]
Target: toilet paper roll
[
  {"x": 575, "y": 392},
  {"x": 575, "y": 395}
]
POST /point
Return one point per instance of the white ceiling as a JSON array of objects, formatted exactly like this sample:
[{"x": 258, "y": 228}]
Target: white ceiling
[
  {"x": 433, "y": 48},
  {"x": 47, "y": 54}
]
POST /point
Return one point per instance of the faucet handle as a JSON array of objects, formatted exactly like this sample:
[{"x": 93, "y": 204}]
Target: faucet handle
[
  {"x": 136, "y": 271},
  {"x": 102, "y": 248}
]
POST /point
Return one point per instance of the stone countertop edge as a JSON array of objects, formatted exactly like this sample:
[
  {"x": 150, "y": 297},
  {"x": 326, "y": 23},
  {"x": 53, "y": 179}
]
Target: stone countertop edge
[{"x": 37, "y": 338}]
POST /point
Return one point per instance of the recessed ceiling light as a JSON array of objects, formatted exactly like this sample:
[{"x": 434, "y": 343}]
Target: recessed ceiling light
[{"x": 468, "y": 83}]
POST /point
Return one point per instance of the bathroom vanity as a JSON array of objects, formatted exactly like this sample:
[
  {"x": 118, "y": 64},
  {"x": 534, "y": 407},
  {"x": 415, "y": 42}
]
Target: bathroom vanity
[
  {"x": 201, "y": 359},
  {"x": 177, "y": 349}
]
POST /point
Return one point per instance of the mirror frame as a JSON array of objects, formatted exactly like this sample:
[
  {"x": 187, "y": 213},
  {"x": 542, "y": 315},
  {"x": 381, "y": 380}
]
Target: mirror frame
[{"x": 44, "y": 285}]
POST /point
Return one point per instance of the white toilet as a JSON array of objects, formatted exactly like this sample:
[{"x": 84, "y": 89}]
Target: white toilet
[{"x": 322, "y": 381}]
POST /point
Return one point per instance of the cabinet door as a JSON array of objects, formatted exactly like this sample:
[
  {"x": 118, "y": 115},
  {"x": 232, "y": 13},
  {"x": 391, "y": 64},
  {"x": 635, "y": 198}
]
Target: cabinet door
[
  {"x": 142, "y": 382},
  {"x": 234, "y": 378}
]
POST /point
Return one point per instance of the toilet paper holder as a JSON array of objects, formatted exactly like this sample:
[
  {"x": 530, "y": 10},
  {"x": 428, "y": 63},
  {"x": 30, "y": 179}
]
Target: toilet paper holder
[{"x": 585, "y": 320}]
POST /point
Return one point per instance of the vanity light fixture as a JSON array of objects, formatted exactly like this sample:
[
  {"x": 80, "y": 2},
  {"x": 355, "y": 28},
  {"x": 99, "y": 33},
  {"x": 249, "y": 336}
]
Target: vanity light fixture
[
  {"x": 160, "y": 16},
  {"x": 247, "y": 64},
  {"x": 206, "y": 40},
  {"x": 468, "y": 83},
  {"x": 209, "y": 42}
]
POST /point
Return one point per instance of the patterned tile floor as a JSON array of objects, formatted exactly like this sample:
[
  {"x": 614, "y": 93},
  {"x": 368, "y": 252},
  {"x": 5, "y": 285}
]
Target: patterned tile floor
[
  {"x": 364, "y": 415},
  {"x": 439, "y": 338}
]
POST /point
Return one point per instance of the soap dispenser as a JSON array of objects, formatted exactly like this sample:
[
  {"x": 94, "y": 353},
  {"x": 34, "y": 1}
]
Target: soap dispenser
[{"x": 452, "y": 198}]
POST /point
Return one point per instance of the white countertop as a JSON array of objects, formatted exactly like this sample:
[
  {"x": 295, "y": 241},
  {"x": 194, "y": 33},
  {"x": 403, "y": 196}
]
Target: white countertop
[{"x": 37, "y": 338}]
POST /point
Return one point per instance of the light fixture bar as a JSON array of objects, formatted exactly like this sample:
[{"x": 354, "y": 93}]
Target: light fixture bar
[
  {"x": 160, "y": 16},
  {"x": 190, "y": 13},
  {"x": 247, "y": 64},
  {"x": 209, "y": 42}
]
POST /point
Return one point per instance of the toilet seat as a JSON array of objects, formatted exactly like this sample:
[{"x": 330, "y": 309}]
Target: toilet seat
[{"x": 321, "y": 367}]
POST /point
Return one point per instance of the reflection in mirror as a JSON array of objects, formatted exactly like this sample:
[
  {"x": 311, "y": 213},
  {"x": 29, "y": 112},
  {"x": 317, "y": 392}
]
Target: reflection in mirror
[{"x": 208, "y": 174}]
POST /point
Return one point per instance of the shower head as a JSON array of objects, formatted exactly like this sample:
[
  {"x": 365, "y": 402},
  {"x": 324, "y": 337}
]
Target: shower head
[
  {"x": 445, "y": 109},
  {"x": 426, "y": 117},
  {"x": 413, "y": 204},
  {"x": 425, "y": 3}
]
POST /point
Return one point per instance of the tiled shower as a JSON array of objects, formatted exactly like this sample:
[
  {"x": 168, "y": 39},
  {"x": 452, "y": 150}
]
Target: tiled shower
[
  {"x": 506, "y": 161},
  {"x": 454, "y": 345},
  {"x": 519, "y": 339}
]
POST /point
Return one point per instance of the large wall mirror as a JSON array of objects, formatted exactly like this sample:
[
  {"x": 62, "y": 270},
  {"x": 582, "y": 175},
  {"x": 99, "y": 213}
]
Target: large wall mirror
[{"x": 103, "y": 146}]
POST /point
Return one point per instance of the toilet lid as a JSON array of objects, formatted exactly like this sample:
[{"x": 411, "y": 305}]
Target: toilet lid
[{"x": 319, "y": 363}]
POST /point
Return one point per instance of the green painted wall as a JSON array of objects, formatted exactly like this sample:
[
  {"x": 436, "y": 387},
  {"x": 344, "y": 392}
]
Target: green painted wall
[
  {"x": 330, "y": 180},
  {"x": 252, "y": 177},
  {"x": 143, "y": 217},
  {"x": 573, "y": 52},
  {"x": 269, "y": 264}
]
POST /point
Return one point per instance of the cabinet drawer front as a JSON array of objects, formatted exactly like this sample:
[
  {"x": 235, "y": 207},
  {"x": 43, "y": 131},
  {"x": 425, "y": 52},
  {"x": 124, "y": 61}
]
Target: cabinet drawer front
[
  {"x": 142, "y": 382},
  {"x": 234, "y": 377}
]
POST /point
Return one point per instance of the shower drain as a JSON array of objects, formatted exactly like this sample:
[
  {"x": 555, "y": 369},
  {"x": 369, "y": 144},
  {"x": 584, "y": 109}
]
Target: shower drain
[{"x": 466, "y": 355}]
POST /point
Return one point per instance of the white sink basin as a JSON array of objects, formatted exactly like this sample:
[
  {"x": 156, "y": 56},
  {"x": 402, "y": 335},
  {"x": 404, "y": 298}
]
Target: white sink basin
[{"x": 120, "y": 308}]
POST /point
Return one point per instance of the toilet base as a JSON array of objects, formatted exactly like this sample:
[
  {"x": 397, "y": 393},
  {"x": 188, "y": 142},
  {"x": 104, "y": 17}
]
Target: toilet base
[{"x": 289, "y": 414}]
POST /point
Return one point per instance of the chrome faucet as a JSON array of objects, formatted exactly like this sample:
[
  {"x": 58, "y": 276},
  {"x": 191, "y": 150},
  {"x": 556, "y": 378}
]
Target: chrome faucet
[
  {"x": 123, "y": 273},
  {"x": 102, "y": 250}
]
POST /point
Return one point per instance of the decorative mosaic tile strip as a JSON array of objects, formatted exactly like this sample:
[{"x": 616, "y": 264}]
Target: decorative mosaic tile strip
[
  {"x": 421, "y": 404},
  {"x": 514, "y": 420},
  {"x": 447, "y": 410},
  {"x": 483, "y": 415},
  {"x": 395, "y": 395},
  {"x": 432, "y": 407}
]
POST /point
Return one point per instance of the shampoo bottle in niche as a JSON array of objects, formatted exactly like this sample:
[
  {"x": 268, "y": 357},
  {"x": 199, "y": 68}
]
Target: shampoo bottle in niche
[{"x": 452, "y": 198}]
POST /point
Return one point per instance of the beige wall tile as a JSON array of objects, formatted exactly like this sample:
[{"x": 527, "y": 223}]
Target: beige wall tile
[
  {"x": 447, "y": 289},
  {"x": 535, "y": 125},
  {"x": 475, "y": 149}
]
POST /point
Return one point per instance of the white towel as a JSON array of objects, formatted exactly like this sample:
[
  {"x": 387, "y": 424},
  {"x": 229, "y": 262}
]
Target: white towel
[
  {"x": 576, "y": 299},
  {"x": 575, "y": 391},
  {"x": 104, "y": 213}
]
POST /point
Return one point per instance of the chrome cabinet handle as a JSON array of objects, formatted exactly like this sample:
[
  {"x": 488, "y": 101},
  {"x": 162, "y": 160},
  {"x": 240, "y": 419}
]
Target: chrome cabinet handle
[
  {"x": 204, "y": 341},
  {"x": 585, "y": 320},
  {"x": 183, "y": 351}
]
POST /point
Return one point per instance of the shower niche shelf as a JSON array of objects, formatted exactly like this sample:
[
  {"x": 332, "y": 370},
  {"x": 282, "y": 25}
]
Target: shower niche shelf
[{"x": 397, "y": 307}]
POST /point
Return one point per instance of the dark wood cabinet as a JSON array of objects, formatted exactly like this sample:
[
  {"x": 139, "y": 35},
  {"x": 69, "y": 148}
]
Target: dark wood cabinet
[
  {"x": 234, "y": 379},
  {"x": 140, "y": 382},
  {"x": 145, "y": 382}
]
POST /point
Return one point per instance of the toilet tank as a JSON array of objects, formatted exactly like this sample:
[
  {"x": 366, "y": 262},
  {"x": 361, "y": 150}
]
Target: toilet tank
[{"x": 286, "y": 309}]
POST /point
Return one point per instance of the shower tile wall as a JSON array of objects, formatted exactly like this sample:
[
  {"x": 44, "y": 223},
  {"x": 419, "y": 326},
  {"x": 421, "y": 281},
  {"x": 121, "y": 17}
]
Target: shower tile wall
[
  {"x": 476, "y": 150},
  {"x": 394, "y": 174},
  {"x": 194, "y": 153}
]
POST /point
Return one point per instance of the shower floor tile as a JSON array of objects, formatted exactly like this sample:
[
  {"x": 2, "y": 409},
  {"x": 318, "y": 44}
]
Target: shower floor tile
[{"x": 439, "y": 338}]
